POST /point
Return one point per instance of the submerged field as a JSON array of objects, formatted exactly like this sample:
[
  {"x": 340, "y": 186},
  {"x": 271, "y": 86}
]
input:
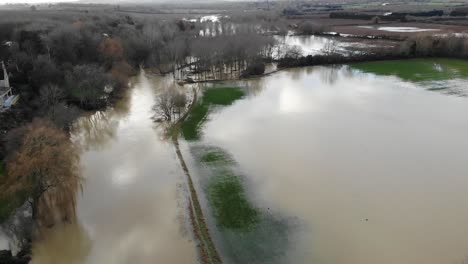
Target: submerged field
[
  {"x": 320, "y": 165},
  {"x": 245, "y": 232},
  {"x": 344, "y": 164},
  {"x": 444, "y": 75},
  {"x": 213, "y": 97},
  {"x": 418, "y": 70}
]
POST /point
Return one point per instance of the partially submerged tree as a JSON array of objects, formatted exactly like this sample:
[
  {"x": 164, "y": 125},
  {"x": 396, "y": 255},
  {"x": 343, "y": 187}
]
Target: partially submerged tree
[
  {"x": 45, "y": 162},
  {"x": 168, "y": 103}
]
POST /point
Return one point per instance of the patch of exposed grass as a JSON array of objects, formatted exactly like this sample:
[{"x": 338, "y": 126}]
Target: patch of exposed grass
[
  {"x": 215, "y": 96},
  {"x": 190, "y": 127},
  {"x": 222, "y": 96},
  {"x": 417, "y": 70},
  {"x": 232, "y": 210},
  {"x": 214, "y": 155},
  {"x": 249, "y": 234}
]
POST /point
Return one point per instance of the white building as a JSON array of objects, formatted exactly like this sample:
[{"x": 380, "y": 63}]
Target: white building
[{"x": 7, "y": 98}]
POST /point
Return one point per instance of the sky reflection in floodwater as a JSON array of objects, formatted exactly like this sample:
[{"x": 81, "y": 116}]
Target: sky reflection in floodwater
[
  {"x": 132, "y": 209},
  {"x": 334, "y": 146}
]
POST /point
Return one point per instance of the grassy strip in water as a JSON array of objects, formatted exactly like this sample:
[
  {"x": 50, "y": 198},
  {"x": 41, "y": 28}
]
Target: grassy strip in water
[
  {"x": 232, "y": 210},
  {"x": 215, "y": 96},
  {"x": 207, "y": 249},
  {"x": 225, "y": 192},
  {"x": 214, "y": 155},
  {"x": 249, "y": 234}
]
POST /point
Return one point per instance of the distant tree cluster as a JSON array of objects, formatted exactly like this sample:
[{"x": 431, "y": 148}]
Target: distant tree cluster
[{"x": 436, "y": 46}]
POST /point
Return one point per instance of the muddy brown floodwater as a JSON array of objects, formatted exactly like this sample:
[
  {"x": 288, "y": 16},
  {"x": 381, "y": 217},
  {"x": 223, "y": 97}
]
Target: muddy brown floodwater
[
  {"x": 365, "y": 169},
  {"x": 133, "y": 205},
  {"x": 373, "y": 168}
]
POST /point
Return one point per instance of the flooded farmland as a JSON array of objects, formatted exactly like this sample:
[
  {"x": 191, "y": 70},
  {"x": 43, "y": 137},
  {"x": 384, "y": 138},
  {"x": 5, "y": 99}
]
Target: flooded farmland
[
  {"x": 355, "y": 164},
  {"x": 357, "y": 167}
]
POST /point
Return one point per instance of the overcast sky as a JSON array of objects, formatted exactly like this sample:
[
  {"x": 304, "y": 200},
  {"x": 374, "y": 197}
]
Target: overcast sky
[
  {"x": 90, "y": 1},
  {"x": 33, "y": 1}
]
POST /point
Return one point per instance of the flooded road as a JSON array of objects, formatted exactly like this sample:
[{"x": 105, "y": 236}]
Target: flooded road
[
  {"x": 372, "y": 167},
  {"x": 133, "y": 205}
]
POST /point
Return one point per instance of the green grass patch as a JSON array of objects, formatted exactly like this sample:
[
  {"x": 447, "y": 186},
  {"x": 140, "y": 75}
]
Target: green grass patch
[
  {"x": 249, "y": 234},
  {"x": 222, "y": 96},
  {"x": 215, "y": 156},
  {"x": 232, "y": 210},
  {"x": 215, "y": 96},
  {"x": 417, "y": 70}
]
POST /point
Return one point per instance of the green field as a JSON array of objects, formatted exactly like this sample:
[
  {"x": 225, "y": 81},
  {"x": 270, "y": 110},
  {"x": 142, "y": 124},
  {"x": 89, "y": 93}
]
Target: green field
[
  {"x": 221, "y": 96},
  {"x": 417, "y": 70}
]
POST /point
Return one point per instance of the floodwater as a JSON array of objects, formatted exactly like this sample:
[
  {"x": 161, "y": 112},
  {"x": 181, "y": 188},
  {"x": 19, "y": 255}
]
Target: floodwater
[
  {"x": 133, "y": 205},
  {"x": 314, "y": 45},
  {"x": 372, "y": 167},
  {"x": 348, "y": 164}
]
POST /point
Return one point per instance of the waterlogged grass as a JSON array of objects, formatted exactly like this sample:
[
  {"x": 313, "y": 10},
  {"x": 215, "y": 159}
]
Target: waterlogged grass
[
  {"x": 249, "y": 234},
  {"x": 266, "y": 243},
  {"x": 215, "y": 155},
  {"x": 231, "y": 208},
  {"x": 417, "y": 70},
  {"x": 222, "y": 96}
]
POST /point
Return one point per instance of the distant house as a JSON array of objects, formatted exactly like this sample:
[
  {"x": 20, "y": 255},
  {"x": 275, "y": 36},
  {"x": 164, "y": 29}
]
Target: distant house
[{"x": 7, "y": 99}]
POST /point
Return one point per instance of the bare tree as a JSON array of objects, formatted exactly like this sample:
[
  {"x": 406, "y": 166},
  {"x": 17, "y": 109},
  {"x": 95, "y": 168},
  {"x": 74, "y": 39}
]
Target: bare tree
[
  {"x": 50, "y": 96},
  {"x": 165, "y": 104},
  {"x": 330, "y": 46},
  {"x": 168, "y": 103}
]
